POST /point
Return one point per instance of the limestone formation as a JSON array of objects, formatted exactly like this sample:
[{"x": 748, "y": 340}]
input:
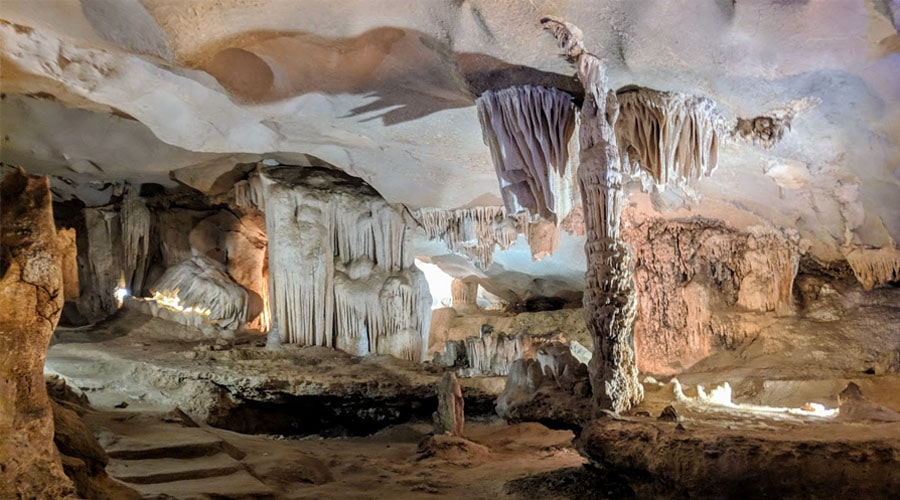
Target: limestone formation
[
  {"x": 528, "y": 130},
  {"x": 200, "y": 293},
  {"x": 103, "y": 264},
  {"x": 856, "y": 407},
  {"x": 553, "y": 388},
  {"x": 609, "y": 292},
  {"x": 491, "y": 354},
  {"x": 69, "y": 251},
  {"x": 450, "y": 415},
  {"x": 769, "y": 129},
  {"x": 875, "y": 266},
  {"x": 674, "y": 137},
  {"x": 239, "y": 243},
  {"x": 31, "y": 300},
  {"x": 136, "y": 221},
  {"x": 696, "y": 277},
  {"x": 473, "y": 232},
  {"x": 463, "y": 294},
  {"x": 710, "y": 460},
  {"x": 340, "y": 272}
]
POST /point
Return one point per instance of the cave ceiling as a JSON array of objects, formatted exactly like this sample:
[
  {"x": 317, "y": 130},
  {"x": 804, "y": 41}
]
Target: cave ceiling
[{"x": 103, "y": 90}]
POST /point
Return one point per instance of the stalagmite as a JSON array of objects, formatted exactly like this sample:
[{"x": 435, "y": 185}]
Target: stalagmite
[
  {"x": 528, "y": 129},
  {"x": 450, "y": 415},
  {"x": 463, "y": 294},
  {"x": 609, "y": 301},
  {"x": 875, "y": 266},
  {"x": 340, "y": 274},
  {"x": 31, "y": 300}
]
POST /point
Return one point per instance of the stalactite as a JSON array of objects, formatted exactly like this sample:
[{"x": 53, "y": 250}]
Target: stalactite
[
  {"x": 248, "y": 193},
  {"x": 476, "y": 232},
  {"x": 875, "y": 266},
  {"x": 469, "y": 231},
  {"x": 492, "y": 354},
  {"x": 136, "y": 221},
  {"x": 528, "y": 130},
  {"x": 609, "y": 301},
  {"x": 340, "y": 274},
  {"x": 672, "y": 136}
]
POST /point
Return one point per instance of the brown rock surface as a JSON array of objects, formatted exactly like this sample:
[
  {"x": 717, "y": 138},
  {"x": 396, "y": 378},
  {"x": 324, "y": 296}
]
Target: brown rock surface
[
  {"x": 736, "y": 460},
  {"x": 694, "y": 277},
  {"x": 31, "y": 298}
]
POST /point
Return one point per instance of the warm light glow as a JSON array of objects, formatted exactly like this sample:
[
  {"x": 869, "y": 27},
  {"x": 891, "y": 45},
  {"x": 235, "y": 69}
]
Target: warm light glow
[
  {"x": 121, "y": 291},
  {"x": 173, "y": 303},
  {"x": 721, "y": 397},
  {"x": 120, "y": 294}
]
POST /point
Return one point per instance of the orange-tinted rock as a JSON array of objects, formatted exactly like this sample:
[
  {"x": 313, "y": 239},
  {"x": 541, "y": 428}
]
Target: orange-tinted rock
[{"x": 31, "y": 300}]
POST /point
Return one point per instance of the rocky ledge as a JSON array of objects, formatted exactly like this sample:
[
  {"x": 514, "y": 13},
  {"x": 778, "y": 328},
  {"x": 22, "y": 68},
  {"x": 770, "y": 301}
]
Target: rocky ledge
[{"x": 729, "y": 459}]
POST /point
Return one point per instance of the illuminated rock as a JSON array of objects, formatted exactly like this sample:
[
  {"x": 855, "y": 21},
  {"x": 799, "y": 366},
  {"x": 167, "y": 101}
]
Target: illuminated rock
[
  {"x": 609, "y": 302},
  {"x": 199, "y": 293},
  {"x": 694, "y": 279},
  {"x": 31, "y": 298},
  {"x": 340, "y": 272}
]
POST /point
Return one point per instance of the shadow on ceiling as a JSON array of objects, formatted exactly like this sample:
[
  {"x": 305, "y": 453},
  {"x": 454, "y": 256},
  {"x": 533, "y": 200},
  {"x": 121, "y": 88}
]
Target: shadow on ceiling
[{"x": 408, "y": 74}]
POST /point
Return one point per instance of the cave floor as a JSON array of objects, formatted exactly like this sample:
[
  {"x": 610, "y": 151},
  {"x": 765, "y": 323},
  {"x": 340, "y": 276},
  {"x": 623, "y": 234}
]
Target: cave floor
[
  {"x": 140, "y": 372},
  {"x": 164, "y": 454},
  {"x": 369, "y": 443}
]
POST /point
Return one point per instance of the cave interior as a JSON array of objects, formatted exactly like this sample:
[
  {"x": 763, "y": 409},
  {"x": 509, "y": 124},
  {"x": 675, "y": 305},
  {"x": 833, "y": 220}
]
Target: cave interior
[{"x": 475, "y": 249}]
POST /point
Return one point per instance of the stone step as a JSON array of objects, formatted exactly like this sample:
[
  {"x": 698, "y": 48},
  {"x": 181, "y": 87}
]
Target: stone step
[
  {"x": 163, "y": 470},
  {"x": 239, "y": 485},
  {"x": 156, "y": 442}
]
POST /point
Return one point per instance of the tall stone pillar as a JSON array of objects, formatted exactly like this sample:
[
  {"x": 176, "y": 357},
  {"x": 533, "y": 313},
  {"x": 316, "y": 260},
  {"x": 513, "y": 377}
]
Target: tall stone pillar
[
  {"x": 31, "y": 300},
  {"x": 609, "y": 299}
]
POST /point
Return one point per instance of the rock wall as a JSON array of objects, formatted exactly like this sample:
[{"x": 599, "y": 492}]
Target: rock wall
[
  {"x": 31, "y": 300},
  {"x": 697, "y": 281},
  {"x": 340, "y": 273},
  {"x": 101, "y": 264}
]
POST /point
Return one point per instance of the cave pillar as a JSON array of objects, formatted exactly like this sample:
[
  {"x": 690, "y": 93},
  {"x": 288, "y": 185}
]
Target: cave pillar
[
  {"x": 31, "y": 300},
  {"x": 463, "y": 294},
  {"x": 609, "y": 298}
]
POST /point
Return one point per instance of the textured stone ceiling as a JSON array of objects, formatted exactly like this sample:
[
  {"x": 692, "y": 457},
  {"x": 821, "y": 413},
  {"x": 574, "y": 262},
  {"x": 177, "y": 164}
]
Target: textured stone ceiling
[{"x": 101, "y": 90}]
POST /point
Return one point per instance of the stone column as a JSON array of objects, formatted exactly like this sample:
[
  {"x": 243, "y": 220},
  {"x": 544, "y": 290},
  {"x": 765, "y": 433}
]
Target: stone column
[
  {"x": 463, "y": 294},
  {"x": 31, "y": 300},
  {"x": 609, "y": 300}
]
